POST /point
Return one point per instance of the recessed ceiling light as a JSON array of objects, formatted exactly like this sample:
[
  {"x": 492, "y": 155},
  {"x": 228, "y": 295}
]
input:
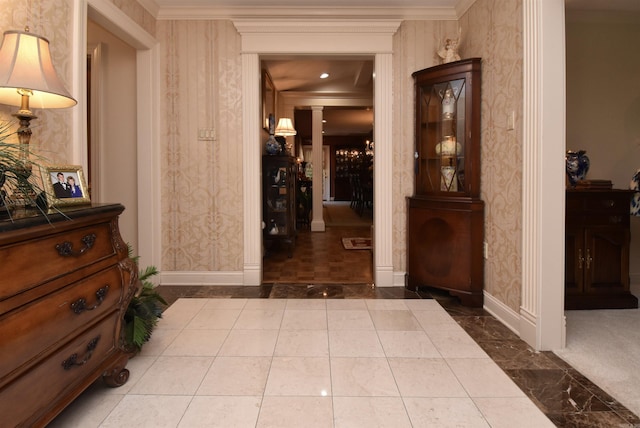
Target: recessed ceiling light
[
  {"x": 324, "y": 120},
  {"x": 324, "y": 75}
]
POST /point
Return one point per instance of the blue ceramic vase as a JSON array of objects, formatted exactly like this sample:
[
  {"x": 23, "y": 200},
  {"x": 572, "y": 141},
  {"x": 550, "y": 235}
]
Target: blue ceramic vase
[
  {"x": 577, "y": 164},
  {"x": 272, "y": 147}
]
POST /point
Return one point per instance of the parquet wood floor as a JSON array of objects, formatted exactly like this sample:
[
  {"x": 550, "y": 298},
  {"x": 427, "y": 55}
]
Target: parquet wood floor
[{"x": 319, "y": 257}]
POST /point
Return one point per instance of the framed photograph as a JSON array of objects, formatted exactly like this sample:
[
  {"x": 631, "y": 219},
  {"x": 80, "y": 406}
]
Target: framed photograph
[
  {"x": 65, "y": 185},
  {"x": 268, "y": 101}
]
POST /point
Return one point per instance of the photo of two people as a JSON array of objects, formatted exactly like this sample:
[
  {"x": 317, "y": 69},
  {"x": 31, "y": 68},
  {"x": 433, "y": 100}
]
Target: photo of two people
[{"x": 66, "y": 185}]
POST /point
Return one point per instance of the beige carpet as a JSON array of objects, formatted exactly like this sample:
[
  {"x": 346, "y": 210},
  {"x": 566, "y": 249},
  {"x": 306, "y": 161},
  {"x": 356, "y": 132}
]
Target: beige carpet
[
  {"x": 604, "y": 345},
  {"x": 341, "y": 214}
]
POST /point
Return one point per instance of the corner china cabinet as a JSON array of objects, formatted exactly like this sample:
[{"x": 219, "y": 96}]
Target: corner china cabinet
[
  {"x": 279, "y": 200},
  {"x": 445, "y": 214}
]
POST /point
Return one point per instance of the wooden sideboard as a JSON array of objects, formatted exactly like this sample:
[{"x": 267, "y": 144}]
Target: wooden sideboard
[
  {"x": 597, "y": 250},
  {"x": 65, "y": 283}
]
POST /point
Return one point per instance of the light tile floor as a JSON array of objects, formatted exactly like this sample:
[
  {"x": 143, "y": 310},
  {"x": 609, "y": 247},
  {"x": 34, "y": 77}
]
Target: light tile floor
[{"x": 308, "y": 363}]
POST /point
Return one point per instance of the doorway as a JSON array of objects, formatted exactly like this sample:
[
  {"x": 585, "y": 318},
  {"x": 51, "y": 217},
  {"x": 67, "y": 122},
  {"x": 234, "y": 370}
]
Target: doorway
[
  {"x": 144, "y": 209},
  {"x": 112, "y": 99},
  {"x": 347, "y": 123},
  {"x": 375, "y": 39}
]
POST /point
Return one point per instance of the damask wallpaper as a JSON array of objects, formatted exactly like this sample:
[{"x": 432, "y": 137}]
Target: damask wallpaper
[
  {"x": 492, "y": 30},
  {"x": 52, "y": 131},
  {"x": 202, "y": 218}
]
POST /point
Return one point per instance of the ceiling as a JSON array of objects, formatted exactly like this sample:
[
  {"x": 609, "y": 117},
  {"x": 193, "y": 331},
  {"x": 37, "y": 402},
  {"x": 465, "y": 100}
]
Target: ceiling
[{"x": 349, "y": 78}]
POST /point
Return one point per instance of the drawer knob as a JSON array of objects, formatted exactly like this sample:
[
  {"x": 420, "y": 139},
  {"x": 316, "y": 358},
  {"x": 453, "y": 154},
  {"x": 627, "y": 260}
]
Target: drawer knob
[
  {"x": 80, "y": 305},
  {"x": 65, "y": 249},
  {"x": 72, "y": 361},
  {"x": 615, "y": 219}
]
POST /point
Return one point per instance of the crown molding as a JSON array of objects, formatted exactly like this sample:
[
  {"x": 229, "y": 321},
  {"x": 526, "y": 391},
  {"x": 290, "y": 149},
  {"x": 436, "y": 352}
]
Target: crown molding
[
  {"x": 327, "y": 99},
  {"x": 280, "y": 12},
  {"x": 462, "y": 6},
  {"x": 299, "y": 25}
]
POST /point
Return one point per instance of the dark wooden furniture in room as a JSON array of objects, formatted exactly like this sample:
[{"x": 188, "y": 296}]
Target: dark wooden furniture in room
[
  {"x": 279, "y": 200},
  {"x": 597, "y": 249},
  {"x": 445, "y": 227},
  {"x": 66, "y": 283},
  {"x": 304, "y": 202}
]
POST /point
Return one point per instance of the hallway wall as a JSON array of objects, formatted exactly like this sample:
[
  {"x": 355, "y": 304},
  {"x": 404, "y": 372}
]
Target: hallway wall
[
  {"x": 492, "y": 30},
  {"x": 202, "y": 222}
]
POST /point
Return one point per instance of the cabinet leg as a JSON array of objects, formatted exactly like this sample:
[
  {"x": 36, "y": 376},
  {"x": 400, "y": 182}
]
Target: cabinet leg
[{"x": 118, "y": 375}]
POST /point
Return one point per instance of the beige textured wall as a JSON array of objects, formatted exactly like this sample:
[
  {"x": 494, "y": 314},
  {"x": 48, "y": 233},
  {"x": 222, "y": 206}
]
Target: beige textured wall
[
  {"x": 53, "y": 19},
  {"x": 414, "y": 48},
  {"x": 139, "y": 14},
  {"x": 52, "y": 130},
  {"x": 194, "y": 167},
  {"x": 492, "y": 30},
  {"x": 202, "y": 220}
]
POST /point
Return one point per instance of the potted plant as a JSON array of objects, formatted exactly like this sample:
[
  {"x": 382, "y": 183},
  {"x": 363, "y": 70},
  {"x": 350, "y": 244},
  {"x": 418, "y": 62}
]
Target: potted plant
[
  {"x": 144, "y": 310},
  {"x": 16, "y": 179}
]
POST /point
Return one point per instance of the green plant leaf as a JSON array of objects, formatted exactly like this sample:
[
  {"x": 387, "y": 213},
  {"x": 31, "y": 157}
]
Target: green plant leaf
[{"x": 144, "y": 310}]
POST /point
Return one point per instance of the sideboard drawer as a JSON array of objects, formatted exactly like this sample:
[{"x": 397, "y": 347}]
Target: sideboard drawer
[
  {"x": 38, "y": 260},
  {"x": 40, "y": 387},
  {"x": 611, "y": 202},
  {"x": 50, "y": 319}
]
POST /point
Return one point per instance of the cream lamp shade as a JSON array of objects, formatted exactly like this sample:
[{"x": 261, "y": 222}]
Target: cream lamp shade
[
  {"x": 285, "y": 127},
  {"x": 27, "y": 74}
]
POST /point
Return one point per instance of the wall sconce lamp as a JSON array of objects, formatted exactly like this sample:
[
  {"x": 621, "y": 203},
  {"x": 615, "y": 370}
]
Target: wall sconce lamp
[
  {"x": 285, "y": 127},
  {"x": 27, "y": 76}
]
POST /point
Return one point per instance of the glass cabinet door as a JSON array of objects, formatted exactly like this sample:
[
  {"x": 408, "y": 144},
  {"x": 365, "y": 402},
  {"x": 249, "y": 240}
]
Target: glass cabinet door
[
  {"x": 441, "y": 153},
  {"x": 443, "y": 130}
]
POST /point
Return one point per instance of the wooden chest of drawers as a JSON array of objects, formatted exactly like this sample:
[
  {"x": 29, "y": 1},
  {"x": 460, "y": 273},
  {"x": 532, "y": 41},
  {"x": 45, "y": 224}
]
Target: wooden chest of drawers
[
  {"x": 65, "y": 283},
  {"x": 597, "y": 250}
]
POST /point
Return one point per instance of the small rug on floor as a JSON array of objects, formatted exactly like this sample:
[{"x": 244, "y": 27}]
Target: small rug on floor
[{"x": 356, "y": 243}]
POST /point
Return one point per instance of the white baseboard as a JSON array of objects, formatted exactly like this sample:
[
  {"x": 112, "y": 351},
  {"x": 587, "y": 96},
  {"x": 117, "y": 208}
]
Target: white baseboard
[
  {"x": 398, "y": 279},
  {"x": 202, "y": 278},
  {"x": 503, "y": 313}
]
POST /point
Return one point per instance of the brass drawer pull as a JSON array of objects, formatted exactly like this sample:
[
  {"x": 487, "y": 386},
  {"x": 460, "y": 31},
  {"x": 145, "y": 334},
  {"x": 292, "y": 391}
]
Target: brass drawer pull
[
  {"x": 580, "y": 258},
  {"x": 80, "y": 305},
  {"x": 66, "y": 248},
  {"x": 615, "y": 219},
  {"x": 72, "y": 361}
]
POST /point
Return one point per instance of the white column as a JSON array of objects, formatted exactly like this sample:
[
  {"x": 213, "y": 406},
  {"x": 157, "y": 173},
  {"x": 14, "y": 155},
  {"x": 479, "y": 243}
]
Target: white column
[
  {"x": 251, "y": 186},
  {"x": 542, "y": 303},
  {"x": 382, "y": 172},
  {"x": 317, "y": 223}
]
